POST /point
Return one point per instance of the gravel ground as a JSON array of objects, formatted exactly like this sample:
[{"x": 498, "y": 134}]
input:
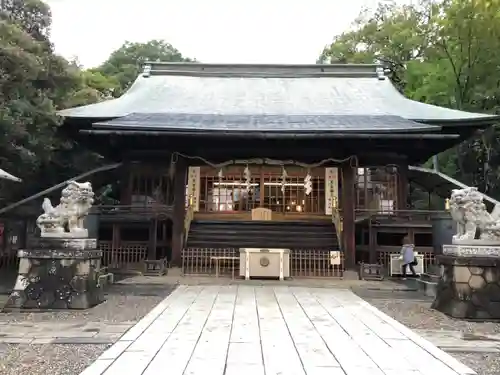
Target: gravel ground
[
  {"x": 47, "y": 359},
  {"x": 124, "y": 303},
  {"x": 483, "y": 364},
  {"x": 414, "y": 311}
]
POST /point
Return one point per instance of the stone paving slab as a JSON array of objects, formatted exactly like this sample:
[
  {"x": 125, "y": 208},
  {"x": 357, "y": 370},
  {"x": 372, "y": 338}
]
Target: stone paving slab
[
  {"x": 456, "y": 341},
  {"x": 236, "y": 329},
  {"x": 62, "y": 333}
]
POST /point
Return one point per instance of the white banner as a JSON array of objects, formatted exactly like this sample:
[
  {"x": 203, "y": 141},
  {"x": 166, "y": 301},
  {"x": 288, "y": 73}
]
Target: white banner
[
  {"x": 193, "y": 189},
  {"x": 331, "y": 188}
]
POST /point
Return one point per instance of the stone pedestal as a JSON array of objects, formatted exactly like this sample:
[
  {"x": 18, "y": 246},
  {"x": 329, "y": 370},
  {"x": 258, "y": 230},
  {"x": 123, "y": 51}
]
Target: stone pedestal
[
  {"x": 470, "y": 284},
  {"x": 57, "y": 273}
]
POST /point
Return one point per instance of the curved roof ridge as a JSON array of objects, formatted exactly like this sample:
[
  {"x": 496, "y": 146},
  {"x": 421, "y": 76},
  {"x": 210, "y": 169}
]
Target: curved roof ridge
[{"x": 263, "y": 70}]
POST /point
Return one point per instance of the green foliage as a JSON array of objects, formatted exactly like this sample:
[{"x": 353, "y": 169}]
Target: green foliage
[
  {"x": 443, "y": 53},
  {"x": 124, "y": 64},
  {"x": 35, "y": 83}
]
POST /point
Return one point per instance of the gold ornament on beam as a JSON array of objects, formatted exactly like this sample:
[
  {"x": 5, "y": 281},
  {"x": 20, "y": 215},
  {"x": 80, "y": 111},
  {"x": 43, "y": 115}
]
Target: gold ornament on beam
[{"x": 447, "y": 204}]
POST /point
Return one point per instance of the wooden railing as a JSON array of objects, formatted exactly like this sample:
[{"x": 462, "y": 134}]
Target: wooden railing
[
  {"x": 400, "y": 215},
  {"x": 128, "y": 211},
  {"x": 404, "y": 222},
  {"x": 127, "y": 255},
  {"x": 303, "y": 262}
]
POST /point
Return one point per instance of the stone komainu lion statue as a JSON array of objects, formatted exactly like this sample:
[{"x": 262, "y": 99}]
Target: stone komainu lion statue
[
  {"x": 469, "y": 212},
  {"x": 75, "y": 203}
]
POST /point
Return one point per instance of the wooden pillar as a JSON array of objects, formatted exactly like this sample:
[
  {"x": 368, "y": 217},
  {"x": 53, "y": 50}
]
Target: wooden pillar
[
  {"x": 179, "y": 211},
  {"x": 261, "y": 187},
  {"x": 402, "y": 187},
  {"x": 372, "y": 245},
  {"x": 115, "y": 246},
  {"x": 153, "y": 229},
  {"x": 348, "y": 202},
  {"x": 126, "y": 183}
]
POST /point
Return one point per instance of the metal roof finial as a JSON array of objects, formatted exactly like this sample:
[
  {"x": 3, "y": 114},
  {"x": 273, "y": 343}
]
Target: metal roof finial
[
  {"x": 380, "y": 73},
  {"x": 147, "y": 71}
]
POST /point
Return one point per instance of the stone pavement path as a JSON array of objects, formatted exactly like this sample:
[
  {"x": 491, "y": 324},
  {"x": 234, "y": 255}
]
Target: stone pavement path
[
  {"x": 242, "y": 330},
  {"x": 62, "y": 333}
]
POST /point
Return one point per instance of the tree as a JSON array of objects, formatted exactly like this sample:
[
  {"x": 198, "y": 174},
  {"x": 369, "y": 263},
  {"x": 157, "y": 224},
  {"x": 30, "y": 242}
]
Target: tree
[
  {"x": 124, "y": 64},
  {"x": 32, "y": 16},
  {"x": 34, "y": 83},
  {"x": 467, "y": 36},
  {"x": 393, "y": 35},
  {"x": 442, "y": 53}
]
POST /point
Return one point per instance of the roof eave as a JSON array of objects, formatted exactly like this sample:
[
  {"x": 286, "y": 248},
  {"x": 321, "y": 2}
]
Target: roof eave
[
  {"x": 268, "y": 134},
  {"x": 483, "y": 121}
]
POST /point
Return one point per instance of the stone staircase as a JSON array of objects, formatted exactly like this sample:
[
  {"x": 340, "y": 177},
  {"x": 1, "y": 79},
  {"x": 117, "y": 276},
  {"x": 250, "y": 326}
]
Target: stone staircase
[{"x": 303, "y": 235}]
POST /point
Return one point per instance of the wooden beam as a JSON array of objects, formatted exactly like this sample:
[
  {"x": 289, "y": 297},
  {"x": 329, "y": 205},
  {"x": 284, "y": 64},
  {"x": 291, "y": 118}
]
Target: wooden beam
[
  {"x": 127, "y": 180},
  {"x": 179, "y": 211},
  {"x": 261, "y": 188},
  {"x": 402, "y": 186},
  {"x": 348, "y": 201},
  {"x": 153, "y": 229}
]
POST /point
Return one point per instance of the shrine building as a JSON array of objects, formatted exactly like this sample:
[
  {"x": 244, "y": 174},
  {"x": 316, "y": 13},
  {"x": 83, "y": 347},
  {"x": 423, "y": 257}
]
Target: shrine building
[{"x": 318, "y": 159}]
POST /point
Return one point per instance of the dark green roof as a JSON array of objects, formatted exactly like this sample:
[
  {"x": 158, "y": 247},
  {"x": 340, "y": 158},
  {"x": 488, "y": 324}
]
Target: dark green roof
[
  {"x": 299, "y": 124},
  {"x": 193, "y": 89}
]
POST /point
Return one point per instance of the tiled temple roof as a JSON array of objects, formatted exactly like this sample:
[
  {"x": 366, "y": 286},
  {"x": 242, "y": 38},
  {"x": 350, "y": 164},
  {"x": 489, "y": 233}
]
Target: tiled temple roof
[{"x": 259, "y": 97}]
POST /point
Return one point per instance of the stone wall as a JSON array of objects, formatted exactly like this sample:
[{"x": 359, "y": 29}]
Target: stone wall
[{"x": 469, "y": 287}]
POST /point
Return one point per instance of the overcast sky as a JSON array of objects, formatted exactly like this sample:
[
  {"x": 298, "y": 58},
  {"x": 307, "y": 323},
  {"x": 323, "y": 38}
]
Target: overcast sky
[{"x": 232, "y": 31}]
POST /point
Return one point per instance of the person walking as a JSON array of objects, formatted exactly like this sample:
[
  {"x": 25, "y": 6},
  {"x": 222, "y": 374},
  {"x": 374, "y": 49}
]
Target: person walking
[{"x": 408, "y": 257}]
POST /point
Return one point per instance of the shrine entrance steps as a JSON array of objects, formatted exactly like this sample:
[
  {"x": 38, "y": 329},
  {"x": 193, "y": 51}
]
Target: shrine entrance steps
[
  {"x": 314, "y": 235},
  {"x": 213, "y": 246}
]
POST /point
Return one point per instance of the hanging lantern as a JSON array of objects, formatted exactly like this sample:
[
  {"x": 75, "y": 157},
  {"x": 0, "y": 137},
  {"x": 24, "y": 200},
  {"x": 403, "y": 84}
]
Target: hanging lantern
[
  {"x": 308, "y": 184},
  {"x": 220, "y": 175}
]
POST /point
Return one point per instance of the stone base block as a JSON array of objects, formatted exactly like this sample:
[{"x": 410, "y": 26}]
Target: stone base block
[
  {"x": 58, "y": 274},
  {"x": 479, "y": 248},
  {"x": 469, "y": 287}
]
